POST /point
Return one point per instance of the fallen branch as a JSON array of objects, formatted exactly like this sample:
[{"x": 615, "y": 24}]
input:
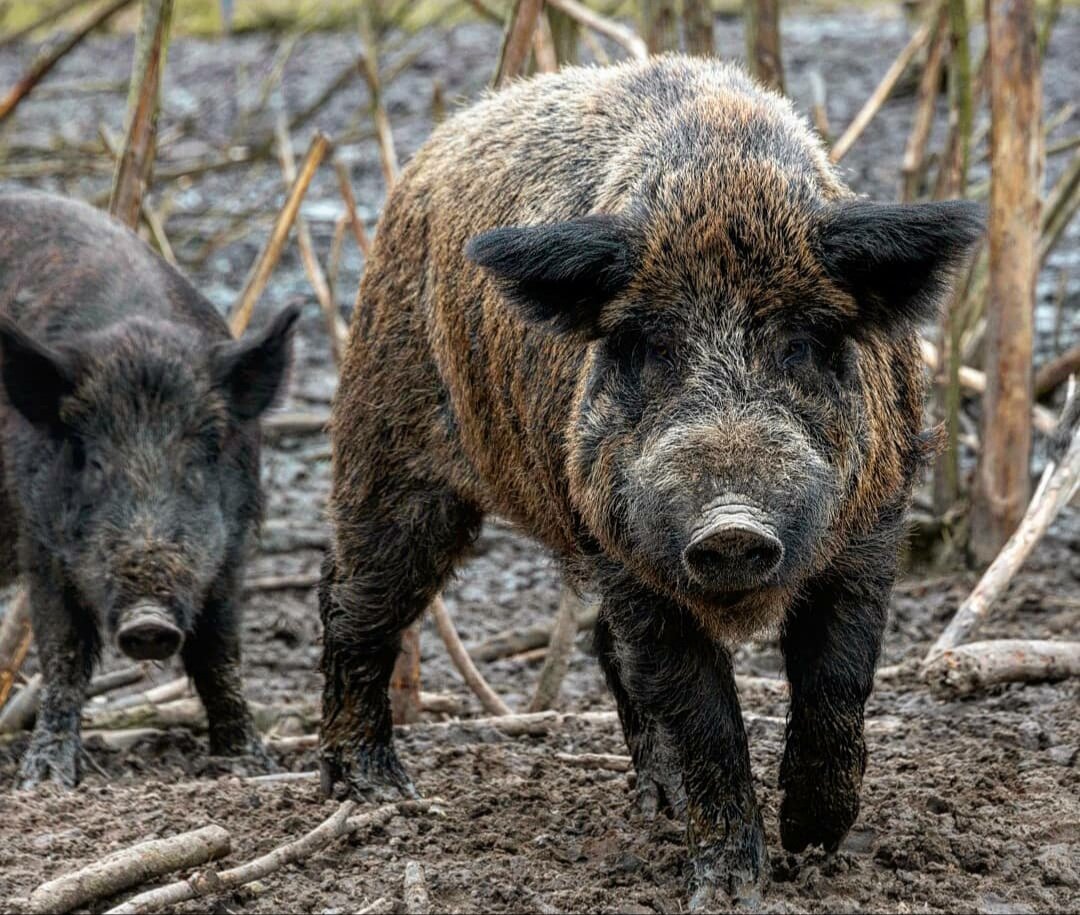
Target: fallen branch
[
  {"x": 560, "y": 646},
  {"x": 976, "y": 666},
  {"x": 355, "y": 222},
  {"x": 1056, "y": 487},
  {"x": 268, "y": 258},
  {"x": 381, "y": 906},
  {"x": 517, "y": 641},
  {"x": 301, "y": 581},
  {"x": 880, "y": 94},
  {"x": 15, "y": 638},
  {"x": 163, "y": 692},
  {"x": 20, "y": 713},
  {"x": 602, "y": 25},
  {"x": 40, "y": 68},
  {"x": 415, "y": 890},
  {"x": 295, "y": 422},
  {"x": 207, "y": 883},
  {"x": 130, "y": 867},
  {"x": 1057, "y": 371},
  {"x": 458, "y": 654},
  {"x": 609, "y": 762}
]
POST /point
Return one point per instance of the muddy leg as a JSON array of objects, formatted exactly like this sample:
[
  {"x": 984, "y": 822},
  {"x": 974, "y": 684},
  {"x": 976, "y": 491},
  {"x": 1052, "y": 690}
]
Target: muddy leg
[
  {"x": 656, "y": 762},
  {"x": 387, "y": 564},
  {"x": 212, "y": 659},
  {"x": 831, "y": 643},
  {"x": 68, "y": 644},
  {"x": 673, "y": 674}
]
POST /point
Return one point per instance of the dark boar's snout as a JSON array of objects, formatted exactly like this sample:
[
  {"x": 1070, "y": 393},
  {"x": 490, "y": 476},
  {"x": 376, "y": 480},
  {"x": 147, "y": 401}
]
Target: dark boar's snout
[
  {"x": 147, "y": 632},
  {"x": 733, "y": 547}
]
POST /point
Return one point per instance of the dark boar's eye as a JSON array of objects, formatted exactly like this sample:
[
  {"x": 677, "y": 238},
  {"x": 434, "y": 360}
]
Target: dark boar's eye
[
  {"x": 797, "y": 352},
  {"x": 93, "y": 474},
  {"x": 659, "y": 354}
]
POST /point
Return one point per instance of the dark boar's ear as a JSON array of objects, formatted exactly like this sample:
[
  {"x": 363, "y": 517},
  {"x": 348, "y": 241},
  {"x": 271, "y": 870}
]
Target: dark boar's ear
[
  {"x": 35, "y": 377},
  {"x": 254, "y": 369},
  {"x": 897, "y": 259},
  {"x": 561, "y": 274}
]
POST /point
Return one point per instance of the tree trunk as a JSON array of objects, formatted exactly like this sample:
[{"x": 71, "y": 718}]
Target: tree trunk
[
  {"x": 659, "y": 25},
  {"x": 136, "y": 161},
  {"x": 763, "y": 42},
  {"x": 698, "y": 27},
  {"x": 1002, "y": 481}
]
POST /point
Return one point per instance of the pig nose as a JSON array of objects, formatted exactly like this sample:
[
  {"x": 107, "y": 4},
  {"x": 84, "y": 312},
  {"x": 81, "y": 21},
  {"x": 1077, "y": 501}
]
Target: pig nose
[
  {"x": 734, "y": 548},
  {"x": 146, "y": 632}
]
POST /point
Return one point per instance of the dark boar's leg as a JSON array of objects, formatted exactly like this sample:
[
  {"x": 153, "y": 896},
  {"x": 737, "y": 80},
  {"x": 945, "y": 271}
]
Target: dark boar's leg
[
  {"x": 387, "y": 564},
  {"x": 656, "y": 760},
  {"x": 212, "y": 659},
  {"x": 831, "y": 642},
  {"x": 68, "y": 644},
  {"x": 682, "y": 681}
]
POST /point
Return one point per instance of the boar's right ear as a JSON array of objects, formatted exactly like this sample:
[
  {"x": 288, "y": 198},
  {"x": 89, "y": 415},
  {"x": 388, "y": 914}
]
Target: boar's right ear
[
  {"x": 559, "y": 275},
  {"x": 254, "y": 370},
  {"x": 897, "y": 259},
  {"x": 35, "y": 377}
]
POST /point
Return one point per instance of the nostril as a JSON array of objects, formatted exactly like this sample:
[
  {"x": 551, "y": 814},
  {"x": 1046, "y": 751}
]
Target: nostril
[
  {"x": 733, "y": 554},
  {"x": 148, "y": 634}
]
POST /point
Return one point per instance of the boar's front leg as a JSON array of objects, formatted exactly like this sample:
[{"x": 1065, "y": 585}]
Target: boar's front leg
[
  {"x": 212, "y": 660},
  {"x": 673, "y": 674},
  {"x": 831, "y": 643},
  {"x": 67, "y": 640}
]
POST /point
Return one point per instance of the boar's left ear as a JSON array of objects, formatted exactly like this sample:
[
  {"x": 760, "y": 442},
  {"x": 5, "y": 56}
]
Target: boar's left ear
[
  {"x": 559, "y": 275},
  {"x": 35, "y": 378},
  {"x": 253, "y": 370},
  {"x": 897, "y": 259}
]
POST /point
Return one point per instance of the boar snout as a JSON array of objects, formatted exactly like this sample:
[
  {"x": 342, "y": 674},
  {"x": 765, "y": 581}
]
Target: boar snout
[
  {"x": 147, "y": 632},
  {"x": 733, "y": 547}
]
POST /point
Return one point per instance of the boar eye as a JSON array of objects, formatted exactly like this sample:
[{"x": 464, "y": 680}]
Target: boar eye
[
  {"x": 93, "y": 474},
  {"x": 797, "y": 352},
  {"x": 659, "y": 353}
]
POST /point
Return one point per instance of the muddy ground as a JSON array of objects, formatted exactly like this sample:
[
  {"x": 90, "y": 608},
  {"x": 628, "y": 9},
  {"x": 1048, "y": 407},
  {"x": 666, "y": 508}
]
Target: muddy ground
[{"x": 968, "y": 806}]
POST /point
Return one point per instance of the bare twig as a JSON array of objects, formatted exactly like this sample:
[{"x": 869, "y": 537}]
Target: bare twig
[
  {"x": 40, "y": 68},
  {"x": 297, "y": 422},
  {"x": 50, "y": 16},
  {"x": 487, "y": 696},
  {"x": 135, "y": 163},
  {"x": 914, "y": 163},
  {"x": 206, "y": 883},
  {"x": 1057, "y": 371},
  {"x": 369, "y": 69},
  {"x": 607, "y": 761},
  {"x": 301, "y": 581},
  {"x": 355, "y": 222},
  {"x": 976, "y": 666},
  {"x": 560, "y": 646},
  {"x": 602, "y": 25},
  {"x": 517, "y": 40},
  {"x": 335, "y": 327},
  {"x": 415, "y": 890},
  {"x": 130, "y": 867},
  {"x": 156, "y": 695},
  {"x": 15, "y": 638},
  {"x": 881, "y": 93},
  {"x": 517, "y": 641},
  {"x": 268, "y": 258}
]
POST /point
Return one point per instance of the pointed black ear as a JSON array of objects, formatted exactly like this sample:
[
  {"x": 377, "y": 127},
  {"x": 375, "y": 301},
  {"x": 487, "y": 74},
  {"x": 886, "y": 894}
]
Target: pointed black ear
[
  {"x": 35, "y": 377},
  {"x": 254, "y": 369},
  {"x": 561, "y": 274},
  {"x": 898, "y": 259}
]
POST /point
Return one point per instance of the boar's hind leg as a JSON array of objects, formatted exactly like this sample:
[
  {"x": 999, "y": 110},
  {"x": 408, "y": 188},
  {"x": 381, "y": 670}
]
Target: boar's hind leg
[
  {"x": 831, "y": 642},
  {"x": 656, "y": 761},
  {"x": 391, "y": 557},
  {"x": 67, "y": 642},
  {"x": 684, "y": 682},
  {"x": 212, "y": 660}
]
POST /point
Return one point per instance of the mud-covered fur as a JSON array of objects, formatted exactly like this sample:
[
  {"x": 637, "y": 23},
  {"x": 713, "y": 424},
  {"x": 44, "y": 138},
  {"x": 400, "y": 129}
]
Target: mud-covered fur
[
  {"x": 129, "y": 461},
  {"x": 603, "y": 304}
]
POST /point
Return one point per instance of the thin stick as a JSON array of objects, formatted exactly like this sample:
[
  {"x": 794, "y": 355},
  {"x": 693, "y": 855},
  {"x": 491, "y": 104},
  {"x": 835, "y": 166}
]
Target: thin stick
[
  {"x": 1056, "y": 488},
  {"x": 156, "y": 695},
  {"x": 41, "y": 67},
  {"x": 268, "y": 258},
  {"x": 602, "y": 25},
  {"x": 130, "y": 867},
  {"x": 136, "y": 161},
  {"x": 880, "y": 94},
  {"x": 341, "y": 823},
  {"x": 15, "y": 638},
  {"x": 149, "y": 215},
  {"x": 521, "y": 23},
  {"x": 300, "y": 581},
  {"x": 560, "y": 647},
  {"x": 976, "y": 666},
  {"x": 487, "y": 696},
  {"x": 335, "y": 327},
  {"x": 1057, "y": 371},
  {"x": 517, "y": 641},
  {"x": 415, "y": 890},
  {"x": 355, "y": 222},
  {"x": 381, "y": 906},
  {"x": 47, "y": 18},
  {"x": 369, "y": 69},
  {"x": 295, "y": 422},
  {"x": 609, "y": 762},
  {"x": 19, "y": 714},
  {"x": 974, "y": 380},
  {"x": 914, "y": 163}
]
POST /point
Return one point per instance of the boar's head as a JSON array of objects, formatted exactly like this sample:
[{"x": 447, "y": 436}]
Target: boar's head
[
  {"x": 134, "y": 464},
  {"x": 737, "y": 382}
]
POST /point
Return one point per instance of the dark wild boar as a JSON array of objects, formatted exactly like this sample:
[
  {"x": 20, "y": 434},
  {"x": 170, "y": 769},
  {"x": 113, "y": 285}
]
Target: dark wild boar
[
  {"x": 129, "y": 464},
  {"x": 635, "y": 311}
]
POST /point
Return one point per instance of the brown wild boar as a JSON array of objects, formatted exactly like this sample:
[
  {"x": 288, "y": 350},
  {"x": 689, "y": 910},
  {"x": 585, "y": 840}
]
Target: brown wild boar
[{"x": 634, "y": 310}]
